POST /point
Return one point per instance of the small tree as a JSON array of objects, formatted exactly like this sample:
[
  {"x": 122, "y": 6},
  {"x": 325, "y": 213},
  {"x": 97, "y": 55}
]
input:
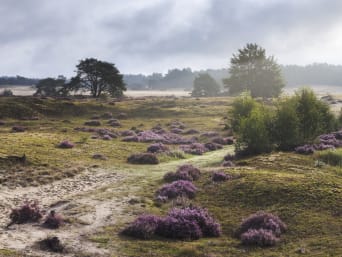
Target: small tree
[
  {"x": 50, "y": 87},
  {"x": 252, "y": 70},
  {"x": 6, "y": 93},
  {"x": 99, "y": 77},
  {"x": 205, "y": 85}
]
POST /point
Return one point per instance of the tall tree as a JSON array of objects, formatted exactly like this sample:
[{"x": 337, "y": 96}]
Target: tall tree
[
  {"x": 253, "y": 71},
  {"x": 99, "y": 77},
  {"x": 205, "y": 85}
]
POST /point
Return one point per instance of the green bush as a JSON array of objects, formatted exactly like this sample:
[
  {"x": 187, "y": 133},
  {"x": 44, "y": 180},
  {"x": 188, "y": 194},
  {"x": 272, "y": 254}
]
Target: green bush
[
  {"x": 242, "y": 107},
  {"x": 331, "y": 157}
]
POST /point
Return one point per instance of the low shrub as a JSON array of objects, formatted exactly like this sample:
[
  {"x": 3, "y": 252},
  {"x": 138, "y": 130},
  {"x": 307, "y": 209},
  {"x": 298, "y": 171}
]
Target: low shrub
[
  {"x": 28, "y": 212},
  {"x": 144, "y": 227},
  {"x": 51, "y": 244},
  {"x": 212, "y": 146},
  {"x": 263, "y": 220},
  {"x": 157, "y": 148},
  {"x": 99, "y": 156},
  {"x": 114, "y": 123},
  {"x": 179, "y": 188},
  {"x": 65, "y": 144},
  {"x": 259, "y": 237},
  {"x": 127, "y": 133},
  {"x": 53, "y": 220},
  {"x": 305, "y": 149},
  {"x": 331, "y": 157},
  {"x": 223, "y": 141},
  {"x": 194, "y": 148},
  {"x": 219, "y": 176},
  {"x": 210, "y": 134},
  {"x": 143, "y": 158},
  {"x": 17, "y": 129},
  {"x": 92, "y": 123},
  {"x": 107, "y": 115},
  {"x": 228, "y": 164},
  {"x": 184, "y": 172},
  {"x": 229, "y": 157},
  {"x": 189, "y": 223},
  {"x": 191, "y": 132}
]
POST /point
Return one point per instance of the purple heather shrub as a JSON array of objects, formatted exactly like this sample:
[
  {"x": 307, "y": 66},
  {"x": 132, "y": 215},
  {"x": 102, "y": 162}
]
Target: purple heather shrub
[
  {"x": 210, "y": 134},
  {"x": 92, "y": 123},
  {"x": 212, "y": 146},
  {"x": 131, "y": 139},
  {"x": 144, "y": 227},
  {"x": 65, "y": 144},
  {"x": 157, "y": 148},
  {"x": 107, "y": 137},
  {"x": 184, "y": 172},
  {"x": 191, "y": 132},
  {"x": 143, "y": 158},
  {"x": 127, "y": 133},
  {"x": 51, "y": 244},
  {"x": 53, "y": 220},
  {"x": 28, "y": 212},
  {"x": 321, "y": 146},
  {"x": 305, "y": 149},
  {"x": 228, "y": 164},
  {"x": 263, "y": 220},
  {"x": 219, "y": 176},
  {"x": 179, "y": 188},
  {"x": 260, "y": 237},
  {"x": 18, "y": 129},
  {"x": 150, "y": 136},
  {"x": 178, "y": 228},
  {"x": 207, "y": 224},
  {"x": 114, "y": 123},
  {"x": 194, "y": 148}
]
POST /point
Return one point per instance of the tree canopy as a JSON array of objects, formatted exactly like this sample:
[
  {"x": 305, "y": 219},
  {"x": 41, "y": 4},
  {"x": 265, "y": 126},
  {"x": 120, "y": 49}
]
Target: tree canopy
[
  {"x": 253, "y": 71},
  {"x": 54, "y": 87},
  {"x": 99, "y": 77},
  {"x": 205, "y": 85}
]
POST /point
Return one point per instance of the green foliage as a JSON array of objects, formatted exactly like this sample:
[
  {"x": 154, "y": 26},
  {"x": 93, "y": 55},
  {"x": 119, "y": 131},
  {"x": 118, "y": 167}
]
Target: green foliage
[
  {"x": 251, "y": 70},
  {"x": 6, "y": 93},
  {"x": 205, "y": 85},
  {"x": 99, "y": 77},
  {"x": 297, "y": 120},
  {"x": 254, "y": 131},
  {"x": 314, "y": 115},
  {"x": 54, "y": 87},
  {"x": 242, "y": 107}
]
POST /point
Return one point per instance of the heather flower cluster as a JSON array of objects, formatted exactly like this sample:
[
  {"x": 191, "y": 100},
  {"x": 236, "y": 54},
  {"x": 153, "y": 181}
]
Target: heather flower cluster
[
  {"x": 194, "y": 148},
  {"x": 184, "y": 172},
  {"x": 53, "y": 220},
  {"x": 160, "y": 137},
  {"x": 326, "y": 141},
  {"x": 143, "y": 158},
  {"x": 157, "y": 148},
  {"x": 28, "y": 212},
  {"x": 102, "y": 133},
  {"x": 261, "y": 228},
  {"x": 179, "y": 188},
  {"x": 219, "y": 176},
  {"x": 188, "y": 223},
  {"x": 65, "y": 144}
]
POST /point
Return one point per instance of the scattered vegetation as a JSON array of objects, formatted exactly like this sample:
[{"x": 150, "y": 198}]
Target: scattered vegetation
[
  {"x": 28, "y": 212},
  {"x": 143, "y": 158}
]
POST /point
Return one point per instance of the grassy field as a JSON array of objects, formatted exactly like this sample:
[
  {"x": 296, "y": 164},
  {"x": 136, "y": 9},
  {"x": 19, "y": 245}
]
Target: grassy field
[{"x": 307, "y": 196}]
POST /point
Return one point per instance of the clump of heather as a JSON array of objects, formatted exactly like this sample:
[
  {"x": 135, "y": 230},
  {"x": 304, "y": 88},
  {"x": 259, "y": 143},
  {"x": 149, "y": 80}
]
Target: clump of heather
[
  {"x": 219, "y": 176},
  {"x": 189, "y": 223},
  {"x": 177, "y": 130},
  {"x": 194, "y": 148},
  {"x": 53, "y": 220},
  {"x": 305, "y": 149},
  {"x": 229, "y": 157},
  {"x": 92, "y": 123},
  {"x": 157, "y": 148},
  {"x": 28, "y": 212},
  {"x": 143, "y": 158},
  {"x": 51, "y": 244},
  {"x": 212, "y": 146},
  {"x": 184, "y": 172},
  {"x": 66, "y": 144},
  {"x": 127, "y": 133},
  {"x": 114, "y": 123},
  {"x": 144, "y": 227},
  {"x": 223, "y": 141},
  {"x": 191, "y": 132},
  {"x": 210, "y": 134},
  {"x": 261, "y": 228},
  {"x": 18, "y": 129},
  {"x": 179, "y": 188},
  {"x": 260, "y": 237}
]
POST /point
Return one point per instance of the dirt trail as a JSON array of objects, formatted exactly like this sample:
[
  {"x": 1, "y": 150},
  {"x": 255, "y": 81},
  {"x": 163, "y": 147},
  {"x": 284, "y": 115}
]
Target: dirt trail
[{"x": 71, "y": 195}]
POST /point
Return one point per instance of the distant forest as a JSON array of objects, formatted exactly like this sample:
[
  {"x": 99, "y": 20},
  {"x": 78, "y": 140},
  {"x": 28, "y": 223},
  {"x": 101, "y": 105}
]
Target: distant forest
[{"x": 294, "y": 75}]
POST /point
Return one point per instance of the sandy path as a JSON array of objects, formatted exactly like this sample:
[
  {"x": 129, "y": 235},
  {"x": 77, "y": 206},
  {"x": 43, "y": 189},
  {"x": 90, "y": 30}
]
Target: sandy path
[{"x": 69, "y": 193}]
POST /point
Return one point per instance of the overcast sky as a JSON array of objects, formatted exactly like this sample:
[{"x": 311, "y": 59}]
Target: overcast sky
[{"x": 48, "y": 37}]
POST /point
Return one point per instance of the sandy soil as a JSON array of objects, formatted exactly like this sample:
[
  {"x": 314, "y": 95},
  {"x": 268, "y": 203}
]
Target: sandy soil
[{"x": 73, "y": 197}]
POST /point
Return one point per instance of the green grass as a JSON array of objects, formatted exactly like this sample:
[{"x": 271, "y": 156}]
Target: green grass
[{"x": 331, "y": 157}]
